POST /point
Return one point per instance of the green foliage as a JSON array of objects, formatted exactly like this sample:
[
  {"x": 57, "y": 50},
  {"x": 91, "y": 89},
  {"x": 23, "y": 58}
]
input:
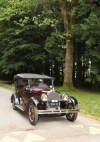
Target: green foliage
[
  {"x": 87, "y": 32},
  {"x": 6, "y": 86},
  {"x": 89, "y": 102},
  {"x": 32, "y": 33},
  {"x": 54, "y": 45},
  {"x": 19, "y": 47},
  {"x": 26, "y": 28}
]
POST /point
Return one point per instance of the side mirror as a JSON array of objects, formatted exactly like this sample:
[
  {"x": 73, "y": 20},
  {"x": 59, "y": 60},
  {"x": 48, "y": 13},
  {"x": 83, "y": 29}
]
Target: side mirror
[{"x": 51, "y": 87}]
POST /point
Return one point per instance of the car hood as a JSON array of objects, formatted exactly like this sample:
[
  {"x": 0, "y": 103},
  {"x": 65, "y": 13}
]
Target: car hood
[{"x": 40, "y": 90}]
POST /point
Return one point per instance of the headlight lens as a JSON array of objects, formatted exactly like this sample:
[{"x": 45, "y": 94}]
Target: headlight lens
[
  {"x": 44, "y": 97},
  {"x": 64, "y": 97}
]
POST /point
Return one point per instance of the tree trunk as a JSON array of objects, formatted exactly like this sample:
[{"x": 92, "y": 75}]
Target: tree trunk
[
  {"x": 56, "y": 73},
  {"x": 79, "y": 65},
  {"x": 68, "y": 82},
  {"x": 68, "y": 22},
  {"x": 46, "y": 67}
]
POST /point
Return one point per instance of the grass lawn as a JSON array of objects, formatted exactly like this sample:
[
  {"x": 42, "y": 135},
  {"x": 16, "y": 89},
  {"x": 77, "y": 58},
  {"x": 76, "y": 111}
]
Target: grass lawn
[
  {"x": 6, "y": 86},
  {"x": 89, "y": 102}
]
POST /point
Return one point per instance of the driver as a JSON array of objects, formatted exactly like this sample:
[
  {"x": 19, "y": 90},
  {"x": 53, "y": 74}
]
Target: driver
[{"x": 31, "y": 84}]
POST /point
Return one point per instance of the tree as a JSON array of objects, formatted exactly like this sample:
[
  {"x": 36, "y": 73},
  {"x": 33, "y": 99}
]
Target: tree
[
  {"x": 87, "y": 32},
  {"x": 38, "y": 36},
  {"x": 69, "y": 21},
  {"x": 22, "y": 41}
]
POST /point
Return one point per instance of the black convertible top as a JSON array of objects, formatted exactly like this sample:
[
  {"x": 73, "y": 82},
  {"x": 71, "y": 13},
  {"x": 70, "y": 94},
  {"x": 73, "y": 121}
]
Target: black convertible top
[{"x": 31, "y": 75}]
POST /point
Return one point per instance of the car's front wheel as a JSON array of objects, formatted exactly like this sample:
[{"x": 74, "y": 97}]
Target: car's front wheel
[
  {"x": 33, "y": 115},
  {"x": 71, "y": 116}
]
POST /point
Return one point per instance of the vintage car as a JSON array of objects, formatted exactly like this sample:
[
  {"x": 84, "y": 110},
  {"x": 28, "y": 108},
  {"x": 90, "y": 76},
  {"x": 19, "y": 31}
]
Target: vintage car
[{"x": 40, "y": 98}]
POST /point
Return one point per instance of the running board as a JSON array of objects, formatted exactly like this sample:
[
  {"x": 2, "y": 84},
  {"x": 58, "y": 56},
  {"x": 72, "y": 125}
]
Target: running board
[{"x": 20, "y": 107}]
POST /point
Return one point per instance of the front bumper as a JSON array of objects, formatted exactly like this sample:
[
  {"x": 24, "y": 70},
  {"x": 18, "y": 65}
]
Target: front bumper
[{"x": 57, "y": 111}]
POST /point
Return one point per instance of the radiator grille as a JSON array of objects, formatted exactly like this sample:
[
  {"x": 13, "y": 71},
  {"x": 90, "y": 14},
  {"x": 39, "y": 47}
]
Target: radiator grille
[{"x": 53, "y": 96}]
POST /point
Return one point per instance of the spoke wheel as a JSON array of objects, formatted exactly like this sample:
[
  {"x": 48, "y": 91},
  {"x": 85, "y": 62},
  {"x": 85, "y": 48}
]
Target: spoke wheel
[
  {"x": 13, "y": 104},
  {"x": 33, "y": 115},
  {"x": 71, "y": 116}
]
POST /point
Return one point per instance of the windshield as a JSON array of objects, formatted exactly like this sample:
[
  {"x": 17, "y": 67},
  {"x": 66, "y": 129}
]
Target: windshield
[
  {"x": 44, "y": 83},
  {"x": 35, "y": 83}
]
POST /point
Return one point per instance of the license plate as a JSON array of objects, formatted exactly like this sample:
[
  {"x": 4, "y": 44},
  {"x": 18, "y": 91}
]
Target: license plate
[{"x": 54, "y": 103}]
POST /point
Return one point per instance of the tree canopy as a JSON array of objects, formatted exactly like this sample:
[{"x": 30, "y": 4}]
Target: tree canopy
[{"x": 60, "y": 38}]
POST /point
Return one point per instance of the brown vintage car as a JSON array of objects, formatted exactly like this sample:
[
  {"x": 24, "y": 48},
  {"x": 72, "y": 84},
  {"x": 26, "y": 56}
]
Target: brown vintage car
[{"x": 35, "y": 93}]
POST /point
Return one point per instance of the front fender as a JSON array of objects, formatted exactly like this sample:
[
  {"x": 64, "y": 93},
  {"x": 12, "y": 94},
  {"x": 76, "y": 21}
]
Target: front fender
[
  {"x": 13, "y": 95},
  {"x": 34, "y": 100},
  {"x": 72, "y": 100}
]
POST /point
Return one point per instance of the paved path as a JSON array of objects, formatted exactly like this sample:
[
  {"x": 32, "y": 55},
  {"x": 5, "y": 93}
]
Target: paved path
[{"x": 15, "y": 127}]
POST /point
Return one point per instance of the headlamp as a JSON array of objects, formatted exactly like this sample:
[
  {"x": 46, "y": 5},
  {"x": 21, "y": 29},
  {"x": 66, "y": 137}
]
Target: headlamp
[
  {"x": 44, "y": 97},
  {"x": 64, "y": 97}
]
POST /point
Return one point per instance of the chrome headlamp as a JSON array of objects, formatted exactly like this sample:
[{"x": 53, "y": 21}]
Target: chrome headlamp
[
  {"x": 64, "y": 97},
  {"x": 44, "y": 97}
]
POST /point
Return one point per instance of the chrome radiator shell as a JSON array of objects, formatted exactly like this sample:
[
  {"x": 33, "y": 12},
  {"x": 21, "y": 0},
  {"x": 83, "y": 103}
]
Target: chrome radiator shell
[{"x": 53, "y": 97}]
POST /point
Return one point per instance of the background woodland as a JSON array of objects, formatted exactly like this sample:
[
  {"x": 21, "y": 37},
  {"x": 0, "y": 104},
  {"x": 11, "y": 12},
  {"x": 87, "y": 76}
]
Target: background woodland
[{"x": 59, "y": 38}]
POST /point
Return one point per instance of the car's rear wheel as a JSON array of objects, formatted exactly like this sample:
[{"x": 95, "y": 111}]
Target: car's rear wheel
[
  {"x": 33, "y": 115},
  {"x": 13, "y": 103},
  {"x": 71, "y": 116}
]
